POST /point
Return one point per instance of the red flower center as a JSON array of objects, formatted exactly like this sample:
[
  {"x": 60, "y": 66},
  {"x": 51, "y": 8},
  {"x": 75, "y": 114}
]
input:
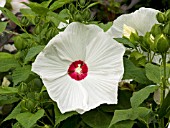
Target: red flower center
[{"x": 78, "y": 70}]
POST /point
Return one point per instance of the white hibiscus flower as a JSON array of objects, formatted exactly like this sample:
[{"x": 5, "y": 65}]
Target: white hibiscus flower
[
  {"x": 2, "y": 4},
  {"x": 17, "y": 5},
  {"x": 141, "y": 20},
  {"x": 81, "y": 68}
]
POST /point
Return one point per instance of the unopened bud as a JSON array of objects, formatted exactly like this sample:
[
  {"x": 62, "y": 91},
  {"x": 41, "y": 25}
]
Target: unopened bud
[
  {"x": 167, "y": 14},
  {"x": 72, "y": 8},
  {"x": 19, "y": 43},
  {"x": 127, "y": 30},
  {"x": 160, "y": 17},
  {"x": 86, "y": 14},
  {"x": 156, "y": 29},
  {"x": 82, "y": 2},
  {"x": 166, "y": 29},
  {"x": 24, "y": 21},
  {"x": 77, "y": 16},
  {"x": 162, "y": 43},
  {"x": 36, "y": 19},
  {"x": 37, "y": 29}
]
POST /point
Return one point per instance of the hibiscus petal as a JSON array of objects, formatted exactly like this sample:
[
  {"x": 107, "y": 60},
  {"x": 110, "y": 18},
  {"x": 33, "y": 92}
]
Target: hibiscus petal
[
  {"x": 49, "y": 64},
  {"x": 68, "y": 93},
  {"x": 104, "y": 56},
  {"x": 141, "y": 20},
  {"x": 101, "y": 89},
  {"x": 72, "y": 42}
]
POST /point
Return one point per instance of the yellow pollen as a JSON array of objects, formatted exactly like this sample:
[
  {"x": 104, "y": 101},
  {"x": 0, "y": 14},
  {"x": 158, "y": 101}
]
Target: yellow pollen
[{"x": 78, "y": 69}]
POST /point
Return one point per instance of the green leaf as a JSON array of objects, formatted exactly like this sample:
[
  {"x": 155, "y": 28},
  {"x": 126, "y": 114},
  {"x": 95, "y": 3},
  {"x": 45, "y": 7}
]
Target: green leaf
[
  {"x": 10, "y": 15},
  {"x": 21, "y": 74},
  {"x": 8, "y": 99},
  {"x": 46, "y": 3},
  {"x": 2, "y": 26},
  {"x": 141, "y": 95},
  {"x": 38, "y": 8},
  {"x": 153, "y": 72},
  {"x": 5, "y": 55},
  {"x": 125, "y": 41},
  {"x": 135, "y": 73},
  {"x": 59, "y": 116},
  {"x": 14, "y": 113},
  {"x": 8, "y": 90},
  {"x": 129, "y": 114},
  {"x": 7, "y": 64},
  {"x": 32, "y": 52},
  {"x": 124, "y": 124},
  {"x": 165, "y": 108},
  {"x": 105, "y": 27},
  {"x": 27, "y": 119},
  {"x": 59, "y": 3},
  {"x": 97, "y": 119}
]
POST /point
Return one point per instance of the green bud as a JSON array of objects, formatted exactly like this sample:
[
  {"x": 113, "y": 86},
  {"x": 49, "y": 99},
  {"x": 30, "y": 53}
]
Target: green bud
[
  {"x": 86, "y": 14},
  {"x": 38, "y": 29},
  {"x": 147, "y": 42},
  {"x": 156, "y": 29},
  {"x": 72, "y": 8},
  {"x": 23, "y": 87},
  {"x": 52, "y": 31},
  {"x": 77, "y": 16},
  {"x": 29, "y": 104},
  {"x": 24, "y": 21},
  {"x": 23, "y": 106},
  {"x": 19, "y": 43},
  {"x": 167, "y": 14},
  {"x": 36, "y": 19},
  {"x": 82, "y": 2},
  {"x": 134, "y": 38},
  {"x": 160, "y": 17},
  {"x": 166, "y": 29},
  {"x": 162, "y": 43}
]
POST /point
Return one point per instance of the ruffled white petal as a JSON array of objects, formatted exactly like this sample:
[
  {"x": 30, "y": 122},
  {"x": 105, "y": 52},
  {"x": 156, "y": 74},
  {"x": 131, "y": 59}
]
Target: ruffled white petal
[
  {"x": 104, "y": 56},
  {"x": 101, "y": 89},
  {"x": 72, "y": 42},
  {"x": 141, "y": 20},
  {"x": 49, "y": 64},
  {"x": 68, "y": 93}
]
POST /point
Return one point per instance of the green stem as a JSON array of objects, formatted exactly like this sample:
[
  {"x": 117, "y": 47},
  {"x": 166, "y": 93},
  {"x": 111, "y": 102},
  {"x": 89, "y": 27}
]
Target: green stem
[
  {"x": 49, "y": 118},
  {"x": 163, "y": 86}
]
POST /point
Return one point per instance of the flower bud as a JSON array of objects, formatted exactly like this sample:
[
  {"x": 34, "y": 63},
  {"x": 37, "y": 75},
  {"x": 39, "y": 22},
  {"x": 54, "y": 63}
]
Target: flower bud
[
  {"x": 37, "y": 29},
  {"x": 29, "y": 104},
  {"x": 156, "y": 29},
  {"x": 52, "y": 31},
  {"x": 127, "y": 30},
  {"x": 162, "y": 43},
  {"x": 160, "y": 17},
  {"x": 86, "y": 14},
  {"x": 24, "y": 21},
  {"x": 77, "y": 16},
  {"x": 23, "y": 106},
  {"x": 167, "y": 14},
  {"x": 19, "y": 43},
  {"x": 166, "y": 29},
  {"x": 36, "y": 19},
  {"x": 72, "y": 8},
  {"x": 23, "y": 87},
  {"x": 82, "y": 2}
]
